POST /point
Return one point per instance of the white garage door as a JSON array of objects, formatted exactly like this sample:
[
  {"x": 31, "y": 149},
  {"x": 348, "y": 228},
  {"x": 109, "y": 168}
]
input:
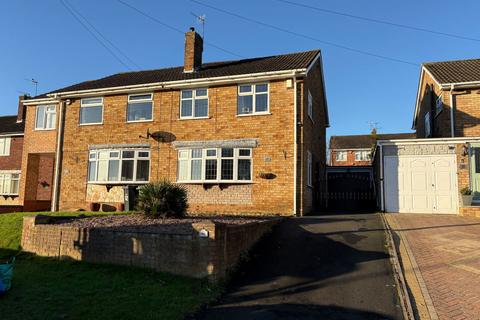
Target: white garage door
[{"x": 421, "y": 184}]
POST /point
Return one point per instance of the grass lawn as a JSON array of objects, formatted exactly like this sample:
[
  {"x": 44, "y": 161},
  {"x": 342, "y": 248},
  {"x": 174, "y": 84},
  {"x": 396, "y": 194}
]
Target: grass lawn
[{"x": 45, "y": 288}]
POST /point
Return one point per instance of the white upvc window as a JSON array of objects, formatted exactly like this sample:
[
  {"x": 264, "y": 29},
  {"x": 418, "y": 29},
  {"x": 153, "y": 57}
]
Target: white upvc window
[
  {"x": 119, "y": 166},
  {"x": 428, "y": 125},
  {"x": 341, "y": 155},
  {"x": 214, "y": 165},
  {"x": 309, "y": 169},
  {"x": 310, "y": 105},
  {"x": 91, "y": 111},
  {"x": 5, "y": 146},
  {"x": 46, "y": 117},
  {"x": 194, "y": 103},
  {"x": 253, "y": 99},
  {"x": 438, "y": 105},
  {"x": 9, "y": 183},
  {"x": 140, "y": 107},
  {"x": 363, "y": 155}
]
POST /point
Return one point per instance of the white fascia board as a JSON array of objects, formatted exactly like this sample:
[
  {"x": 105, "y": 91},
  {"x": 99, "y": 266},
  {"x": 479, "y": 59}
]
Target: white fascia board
[
  {"x": 262, "y": 76},
  {"x": 4, "y": 135},
  {"x": 318, "y": 56},
  {"x": 44, "y": 101},
  {"x": 351, "y": 149},
  {"x": 428, "y": 141}
]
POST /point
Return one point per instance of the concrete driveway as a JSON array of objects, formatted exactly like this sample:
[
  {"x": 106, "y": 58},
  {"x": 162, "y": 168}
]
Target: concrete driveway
[
  {"x": 443, "y": 254},
  {"x": 326, "y": 267}
]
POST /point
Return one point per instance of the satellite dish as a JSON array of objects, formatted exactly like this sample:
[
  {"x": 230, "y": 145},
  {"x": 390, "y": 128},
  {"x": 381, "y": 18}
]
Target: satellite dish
[{"x": 163, "y": 136}]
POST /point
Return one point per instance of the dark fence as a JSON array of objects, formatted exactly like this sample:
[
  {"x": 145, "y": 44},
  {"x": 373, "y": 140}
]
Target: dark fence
[{"x": 350, "y": 191}]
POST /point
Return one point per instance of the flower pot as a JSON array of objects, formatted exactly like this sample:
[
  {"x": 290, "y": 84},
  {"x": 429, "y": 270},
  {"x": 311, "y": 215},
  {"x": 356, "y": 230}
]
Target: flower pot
[{"x": 466, "y": 200}]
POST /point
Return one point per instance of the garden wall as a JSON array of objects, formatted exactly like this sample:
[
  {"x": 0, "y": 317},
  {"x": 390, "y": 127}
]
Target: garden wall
[{"x": 209, "y": 250}]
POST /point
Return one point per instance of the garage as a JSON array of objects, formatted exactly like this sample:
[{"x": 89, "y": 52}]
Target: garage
[
  {"x": 421, "y": 184},
  {"x": 426, "y": 175}
]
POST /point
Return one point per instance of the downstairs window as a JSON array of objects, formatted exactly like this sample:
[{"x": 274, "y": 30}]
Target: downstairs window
[{"x": 9, "y": 184}]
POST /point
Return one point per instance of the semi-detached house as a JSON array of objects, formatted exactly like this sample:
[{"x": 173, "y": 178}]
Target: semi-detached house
[{"x": 244, "y": 136}]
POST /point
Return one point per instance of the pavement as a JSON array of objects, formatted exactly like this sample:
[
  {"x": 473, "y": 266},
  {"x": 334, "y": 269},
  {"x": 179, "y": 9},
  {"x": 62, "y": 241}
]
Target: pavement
[
  {"x": 445, "y": 255},
  {"x": 325, "y": 267}
]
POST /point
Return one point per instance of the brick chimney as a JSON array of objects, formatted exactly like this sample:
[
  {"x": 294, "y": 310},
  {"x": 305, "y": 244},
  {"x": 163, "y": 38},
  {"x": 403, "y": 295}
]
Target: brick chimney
[
  {"x": 22, "y": 110},
  {"x": 193, "y": 51}
]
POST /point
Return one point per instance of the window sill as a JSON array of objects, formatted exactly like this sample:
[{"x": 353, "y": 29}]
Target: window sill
[
  {"x": 120, "y": 183},
  {"x": 52, "y": 129},
  {"x": 254, "y": 114},
  {"x": 139, "y": 121},
  {"x": 194, "y": 118},
  {"x": 90, "y": 124},
  {"x": 216, "y": 182}
]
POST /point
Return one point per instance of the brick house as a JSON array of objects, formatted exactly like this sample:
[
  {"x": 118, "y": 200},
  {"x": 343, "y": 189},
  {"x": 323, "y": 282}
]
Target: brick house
[
  {"x": 11, "y": 147},
  {"x": 243, "y": 136},
  {"x": 356, "y": 150}
]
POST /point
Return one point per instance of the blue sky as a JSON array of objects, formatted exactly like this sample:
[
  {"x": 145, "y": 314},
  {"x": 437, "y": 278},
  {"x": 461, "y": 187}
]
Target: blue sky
[{"x": 41, "y": 40}]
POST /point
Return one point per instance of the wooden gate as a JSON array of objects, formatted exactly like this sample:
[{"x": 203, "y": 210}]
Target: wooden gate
[{"x": 350, "y": 190}]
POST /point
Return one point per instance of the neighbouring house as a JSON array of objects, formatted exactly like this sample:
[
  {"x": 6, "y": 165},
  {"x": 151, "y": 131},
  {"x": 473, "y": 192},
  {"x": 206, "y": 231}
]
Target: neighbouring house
[
  {"x": 425, "y": 175},
  {"x": 11, "y": 147},
  {"x": 244, "y": 136},
  {"x": 356, "y": 150}
]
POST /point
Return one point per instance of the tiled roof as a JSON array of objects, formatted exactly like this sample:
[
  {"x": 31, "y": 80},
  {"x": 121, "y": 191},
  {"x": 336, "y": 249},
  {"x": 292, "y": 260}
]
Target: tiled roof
[
  {"x": 364, "y": 141},
  {"x": 8, "y": 124},
  {"x": 282, "y": 62},
  {"x": 455, "y": 71}
]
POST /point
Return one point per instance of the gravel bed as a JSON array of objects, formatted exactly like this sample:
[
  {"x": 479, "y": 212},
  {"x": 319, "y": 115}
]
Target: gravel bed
[{"x": 142, "y": 223}]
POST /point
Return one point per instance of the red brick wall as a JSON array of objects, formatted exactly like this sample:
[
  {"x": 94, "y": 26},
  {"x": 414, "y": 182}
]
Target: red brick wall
[{"x": 14, "y": 160}]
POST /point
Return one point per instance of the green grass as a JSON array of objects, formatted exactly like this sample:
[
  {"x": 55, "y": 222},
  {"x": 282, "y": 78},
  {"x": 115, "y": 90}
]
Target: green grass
[{"x": 46, "y": 288}]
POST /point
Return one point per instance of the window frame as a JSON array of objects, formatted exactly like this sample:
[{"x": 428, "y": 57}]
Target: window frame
[
  {"x": 10, "y": 174},
  {"x": 438, "y": 101},
  {"x": 427, "y": 122},
  {"x": 7, "y": 145},
  {"x": 253, "y": 93},
  {"x": 138, "y": 101},
  {"x": 91, "y": 106},
  {"x": 309, "y": 169},
  {"x": 218, "y": 157},
  {"x": 310, "y": 105},
  {"x": 341, "y": 152},
  {"x": 45, "y": 115},
  {"x": 120, "y": 158},
  {"x": 193, "y": 98},
  {"x": 364, "y": 155}
]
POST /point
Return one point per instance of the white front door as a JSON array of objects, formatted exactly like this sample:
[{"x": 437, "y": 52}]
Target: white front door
[{"x": 420, "y": 184}]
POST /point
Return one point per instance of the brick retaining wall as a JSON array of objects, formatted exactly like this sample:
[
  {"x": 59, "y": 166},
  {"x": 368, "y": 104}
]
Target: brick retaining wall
[{"x": 185, "y": 254}]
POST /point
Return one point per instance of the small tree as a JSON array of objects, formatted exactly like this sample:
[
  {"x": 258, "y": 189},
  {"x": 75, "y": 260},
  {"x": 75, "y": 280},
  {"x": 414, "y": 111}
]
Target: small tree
[{"x": 162, "y": 199}]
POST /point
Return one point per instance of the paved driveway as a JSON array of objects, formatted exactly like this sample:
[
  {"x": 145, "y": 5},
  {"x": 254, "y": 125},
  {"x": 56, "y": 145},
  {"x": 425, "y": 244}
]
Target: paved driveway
[
  {"x": 328, "y": 267},
  {"x": 446, "y": 249}
]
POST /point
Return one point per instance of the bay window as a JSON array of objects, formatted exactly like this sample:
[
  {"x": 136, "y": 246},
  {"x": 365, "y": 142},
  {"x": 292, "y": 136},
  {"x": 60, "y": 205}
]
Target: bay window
[
  {"x": 117, "y": 166},
  {"x": 139, "y": 107},
  {"x": 214, "y": 165},
  {"x": 91, "y": 111},
  {"x": 252, "y": 99},
  {"x": 194, "y": 103},
  {"x": 46, "y": 117},
  {"x": 9, "y": 183}
]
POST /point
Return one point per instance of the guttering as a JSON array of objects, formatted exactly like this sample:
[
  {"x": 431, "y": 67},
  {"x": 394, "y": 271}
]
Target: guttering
[
  {"x": 452, "y": 125},
  {"x": 58, "y": 156},
  {"x": 169, "y": 84},
  {"x": 295, "y": 152}
]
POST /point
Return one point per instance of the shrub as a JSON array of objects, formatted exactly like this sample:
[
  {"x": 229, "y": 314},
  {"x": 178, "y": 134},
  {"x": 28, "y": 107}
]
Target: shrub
[
  {"x": 465, "y": 191},
  {"x": 162, "y": 199}
]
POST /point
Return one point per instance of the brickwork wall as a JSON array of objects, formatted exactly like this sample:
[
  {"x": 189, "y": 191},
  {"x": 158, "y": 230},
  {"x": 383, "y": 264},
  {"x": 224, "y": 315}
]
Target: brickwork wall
[
  {"x": 467, "y": 115},
  {"x": 185, "y": 254},
  {"x": 274, "y": 133},
  {"x": 350, "y": 159}
]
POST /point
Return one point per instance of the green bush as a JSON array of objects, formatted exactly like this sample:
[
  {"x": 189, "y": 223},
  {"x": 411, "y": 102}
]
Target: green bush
[
  {"x": 465, "y": 191},
  {"x": 162, "y": 199}
]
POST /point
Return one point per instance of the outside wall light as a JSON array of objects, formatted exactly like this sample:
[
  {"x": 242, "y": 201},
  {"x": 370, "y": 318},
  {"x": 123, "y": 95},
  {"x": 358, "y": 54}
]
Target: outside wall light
[{"x": 203, "y": 233}]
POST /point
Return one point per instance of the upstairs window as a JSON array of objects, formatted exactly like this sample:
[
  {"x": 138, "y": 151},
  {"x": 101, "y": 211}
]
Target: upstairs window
[
  {"x": 438, "y": 105},
  {"x": 194, "y": 103},
  {"x": 214, "y": 165},
  {"x": 119, "y": 166},
  {"x": 341, "y": 156},
  {"x": 253, "y": 99},
  {"x": 310, "y": 105},
  {"x": 5, "y": 146},
  {"x": 46, "y": 118},
  {"x": 428, "y": 125},
  {"x": 363, "y": 155},
  {"x": 9, "y": 183},
  {"x": 91, "y": 111},
  {"x": 140, "y": 107}
]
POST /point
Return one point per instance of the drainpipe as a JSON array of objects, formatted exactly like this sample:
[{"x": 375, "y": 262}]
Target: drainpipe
[
  {"x": 452, "y": 124},
  {"x": 58, "y": 156},
  {"x": 295, "y": 147}
]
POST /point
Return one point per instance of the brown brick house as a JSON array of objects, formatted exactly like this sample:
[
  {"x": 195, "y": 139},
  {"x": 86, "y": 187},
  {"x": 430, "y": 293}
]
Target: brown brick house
[
  {"x": 243, "y": 136},
  {"x": 11, "y": 146},
  {"x": 356, "y": 150}
]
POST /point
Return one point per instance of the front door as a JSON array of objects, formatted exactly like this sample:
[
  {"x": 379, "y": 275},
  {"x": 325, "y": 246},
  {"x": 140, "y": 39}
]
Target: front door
[{"x": 475, "y": 171}]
